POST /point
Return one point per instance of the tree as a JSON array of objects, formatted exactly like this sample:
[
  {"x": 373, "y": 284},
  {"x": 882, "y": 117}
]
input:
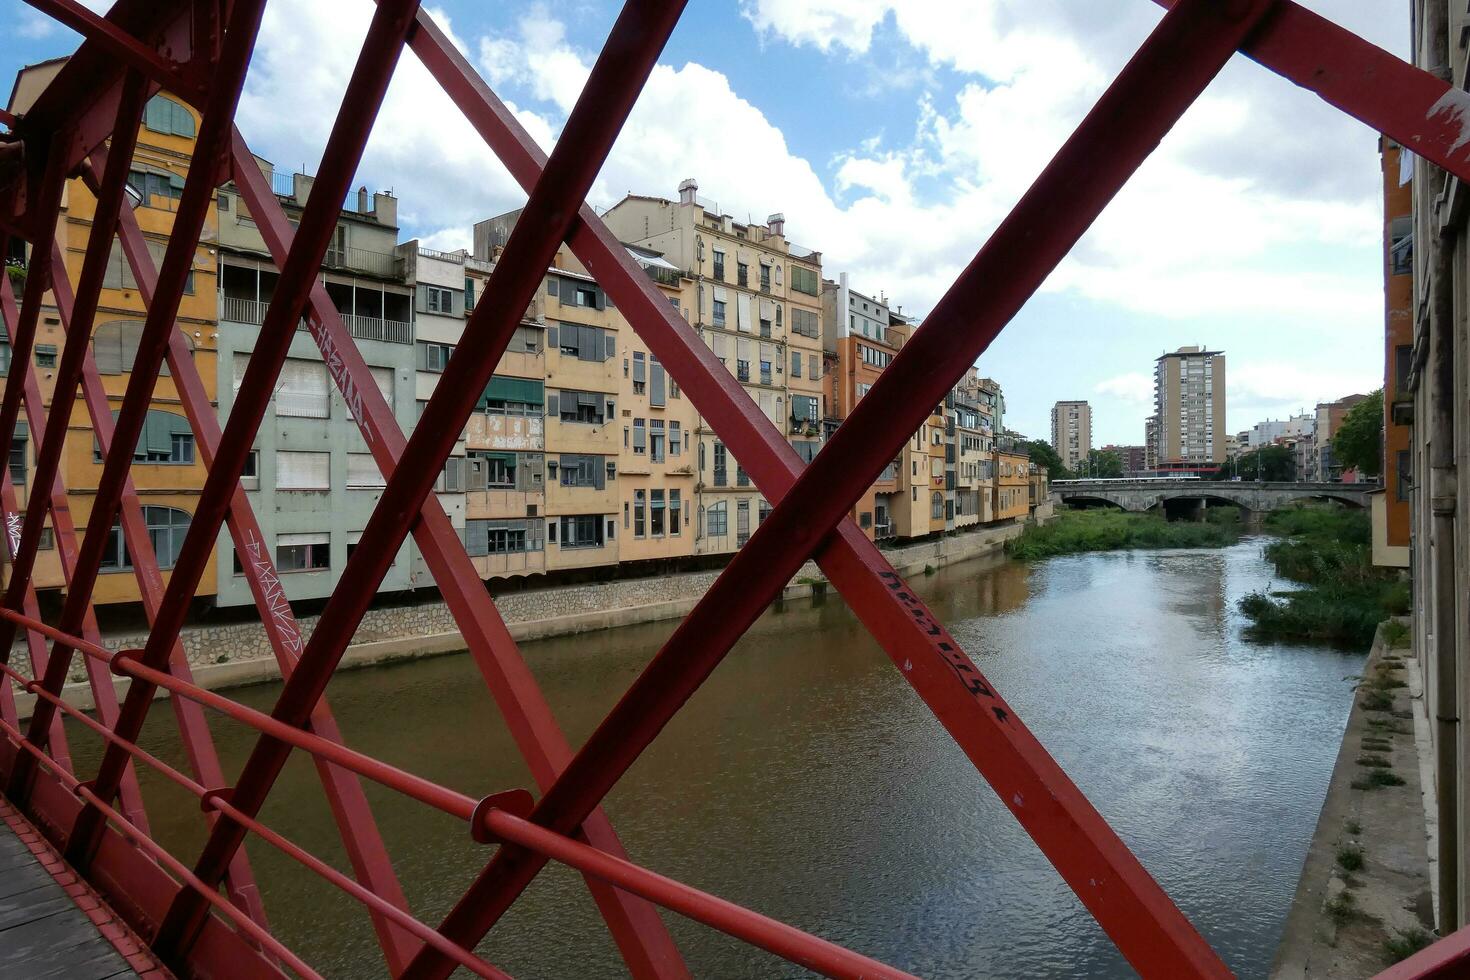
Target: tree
[
  {"x": 1358, "y": 442},
  {"x": 1104, "y": 464},
  {"x": 1276, "y": 464},
  {"x": 1042, "y": 454}
]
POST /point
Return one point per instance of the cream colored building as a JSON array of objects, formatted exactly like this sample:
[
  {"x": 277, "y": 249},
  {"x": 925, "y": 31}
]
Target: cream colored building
[
  {"x": 1071, "y": 433},
  {"x": 1189, "y": 406},
  {"x": 756, "y": 300}
]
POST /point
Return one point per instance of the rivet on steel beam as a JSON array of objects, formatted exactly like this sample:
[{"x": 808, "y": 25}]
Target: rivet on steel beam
[{"x": 514, "y": 801}]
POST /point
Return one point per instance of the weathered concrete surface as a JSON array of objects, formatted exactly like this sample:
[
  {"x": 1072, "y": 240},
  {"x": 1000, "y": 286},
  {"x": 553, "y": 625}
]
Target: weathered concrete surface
[
  {"x": 230, "y": 656},
  {"x": 1257, "y": 498},
  {"x": 1341, "y": 918}
]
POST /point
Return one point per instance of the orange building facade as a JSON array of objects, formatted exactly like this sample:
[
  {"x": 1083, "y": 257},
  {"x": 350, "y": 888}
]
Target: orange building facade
[{"x": 1391, "y": 519}]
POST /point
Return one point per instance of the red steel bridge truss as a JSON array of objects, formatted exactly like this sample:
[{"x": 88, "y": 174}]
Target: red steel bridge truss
[{"x": 204, "y": 917}]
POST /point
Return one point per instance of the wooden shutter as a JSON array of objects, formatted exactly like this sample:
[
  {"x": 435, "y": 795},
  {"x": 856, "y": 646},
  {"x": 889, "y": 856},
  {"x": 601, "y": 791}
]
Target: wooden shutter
[
  {"x": 552, "y": 338},
  {"x": 553, "y": 404},
  {"x": 656, "y": 388}
]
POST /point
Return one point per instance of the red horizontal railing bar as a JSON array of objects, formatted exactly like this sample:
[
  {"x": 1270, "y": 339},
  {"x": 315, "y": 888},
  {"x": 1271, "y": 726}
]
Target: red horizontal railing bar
[
  {"x": 785, "y": 941},
  {"x": 775, "y": 937},
  {"x": 416, "y": 787},
  {"x": 160, "y": 854},
  {"x": 1448, "y": 958},
  {"x": 214, "y": 801}
]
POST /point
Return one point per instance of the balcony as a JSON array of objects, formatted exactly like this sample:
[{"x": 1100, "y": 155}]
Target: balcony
[
  {"x": 376, "y": 328},
  {"x": 243, "y": 311},
  {"x": 662, "y": 274},
  {"x": 384, "y": 264}
]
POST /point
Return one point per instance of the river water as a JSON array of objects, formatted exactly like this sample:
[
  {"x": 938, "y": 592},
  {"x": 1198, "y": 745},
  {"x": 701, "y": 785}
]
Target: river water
[{"x": 807, "y": 781}]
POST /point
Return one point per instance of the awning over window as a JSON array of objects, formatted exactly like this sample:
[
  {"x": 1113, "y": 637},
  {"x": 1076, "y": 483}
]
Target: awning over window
[{"x": 523, "y": 390}]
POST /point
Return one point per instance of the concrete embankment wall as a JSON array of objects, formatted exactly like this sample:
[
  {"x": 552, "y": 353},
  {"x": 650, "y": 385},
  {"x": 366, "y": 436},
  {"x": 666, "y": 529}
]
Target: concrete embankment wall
[{"x": 235, "y": 654}]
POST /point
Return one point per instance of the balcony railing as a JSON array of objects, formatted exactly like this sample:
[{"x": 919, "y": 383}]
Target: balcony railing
[
  {"x": 658, "y": 273},
  {"x": 364, "y": 260},
  {"x": 375, "y": 328},
  {"x": 243, "y": 310},
  {"x": 283, "y": 185}
]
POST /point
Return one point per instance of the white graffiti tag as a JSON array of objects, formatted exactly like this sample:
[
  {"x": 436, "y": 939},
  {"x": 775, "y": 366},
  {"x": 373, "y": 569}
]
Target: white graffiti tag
[
  {"x": 275, "y": 595},
  {"x": 12, "y": 530}
]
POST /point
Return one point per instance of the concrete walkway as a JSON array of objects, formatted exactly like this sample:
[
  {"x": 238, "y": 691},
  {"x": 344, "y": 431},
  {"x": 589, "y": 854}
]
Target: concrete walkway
[{"x": 1363, "y": 901}]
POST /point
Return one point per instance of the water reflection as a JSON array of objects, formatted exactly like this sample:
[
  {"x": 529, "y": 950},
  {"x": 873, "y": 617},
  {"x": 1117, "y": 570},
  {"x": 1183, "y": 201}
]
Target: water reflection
[{"x": 807, "y": 781}]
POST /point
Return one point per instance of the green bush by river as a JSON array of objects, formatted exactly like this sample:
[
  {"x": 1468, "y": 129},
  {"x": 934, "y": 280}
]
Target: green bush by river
[
  {"x": 1075, "y": 531},
  {"x": 1344, "y": 596}
]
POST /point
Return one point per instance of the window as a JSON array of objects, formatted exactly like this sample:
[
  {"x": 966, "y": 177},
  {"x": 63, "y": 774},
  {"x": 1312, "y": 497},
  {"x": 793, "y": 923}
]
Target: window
[
  {"x": 502, "y": 537},
  {"x": 166, "y": 438},
  {"x": 1405, "y": 485},
  {"x": 742, "y": 523},
  {"x": 675, "y": 446},
  {"x": 796, "y": 364},
  {"x": 1403, "y": 363},
  {"x": 582, "y": 471},
  {"x": 583, "y": 343},
  {"x": 875, "y": 357},
  {"x": 586, "y": 407},
  {"x": 805, "y": 280},
  {"x": 764, "y": 511},
  {"x": 720, "y": 264},
  {"x": 167, "y": 527},
  {"x": 303, "y": 552},
  {"x": 303, "y": 471},
  {"x": 721, "y": 459},
  {"x": 640, "y": 372},
  {"x": 639, "y": 507},
  {"x": 434, "y": 357},
  {"x": 656, "y": 440},
  {"x": 4, "y": 356},
  {"x": 46, "y": 355},
  {"x": 742, "y": 274},
  {"x": 302, "y": 389},
  {"x": 587, "y": 296},
  {"x": 150, "y": 184},
  {"x": 804, "y": 409},
  {"x": 439, "y": 300},
  {"x": 862, "y": 389},
  {"x": 716, "y": 520},
  {"x": 719, "y": 313},
  {"x": 656, "y": 513},
  {"x": 164, "y": 115},
  {"x": 765, "y": 278},
  {"x": 515, "y": 396},
  {"x": 18, "y": 454},
  {"x": 363, "y": 473},
  {"x": 1401, "y": 249},
  {"x": 582, "y": 531},
  {"x": 469, "y": 293},
  {"x": 805, "y": 322},
  {"x": 640, "y": 437},
  {"x": 676, "y": 510},
  {"x": 936, "y": 506},
  {"x": 115, "y": 347}
]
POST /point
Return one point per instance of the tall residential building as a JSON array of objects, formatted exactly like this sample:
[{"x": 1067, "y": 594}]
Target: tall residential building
[
  {"x": 311, "y": 480},
  {"x": 167, "y": 471},
  {"x": 1189, "y": 406},
  {"x": 858, "y": 346},
  {"x": 756, "y": 300},
  {"x": 1391, "y": 504},
  {"x": 1071, "y": 432},
  {"x": 1151, "y": 443}
]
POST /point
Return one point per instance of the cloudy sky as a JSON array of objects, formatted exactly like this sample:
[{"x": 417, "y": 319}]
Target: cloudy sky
[{"x": 894, "y": 136}]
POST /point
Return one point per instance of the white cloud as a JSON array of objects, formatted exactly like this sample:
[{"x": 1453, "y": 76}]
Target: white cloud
[
  {"x": 34, "y": 26},
  {"x": 1134, "y": 387}
]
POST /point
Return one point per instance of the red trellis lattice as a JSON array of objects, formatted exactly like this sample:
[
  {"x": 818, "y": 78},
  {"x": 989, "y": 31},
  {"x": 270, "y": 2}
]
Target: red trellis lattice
[{"x": 204, "y": 916}]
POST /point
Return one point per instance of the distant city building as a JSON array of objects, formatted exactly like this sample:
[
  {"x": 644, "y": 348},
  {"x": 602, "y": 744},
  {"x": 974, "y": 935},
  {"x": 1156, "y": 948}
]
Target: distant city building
[
  {"x": 1391, "y": 511},
  {"x": 1071, "y": 432},
  {"x": 1189, "y": 405},
  {"x": 1151, "y": 443},
  {"x": 1323, "y": 465},
  {"x": 1134, "y": 458}
]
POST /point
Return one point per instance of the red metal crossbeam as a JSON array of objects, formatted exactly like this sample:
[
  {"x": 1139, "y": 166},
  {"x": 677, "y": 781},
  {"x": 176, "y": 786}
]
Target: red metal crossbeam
[
  {"x": 349, "y": 806},
  {"x": 178, "y": 261},
  {"x": 635, "y": 925},
  {"x": 637, "y": 38},
  {"x": 1174, "y": 65},
  {"x": 120, "y": 43}
]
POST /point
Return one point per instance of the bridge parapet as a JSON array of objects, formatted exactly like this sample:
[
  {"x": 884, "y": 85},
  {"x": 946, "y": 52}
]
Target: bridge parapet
[{"x": 1143, "y": 495}]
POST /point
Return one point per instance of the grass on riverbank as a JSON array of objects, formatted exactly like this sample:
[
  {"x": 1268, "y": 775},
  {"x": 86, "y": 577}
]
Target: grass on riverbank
[
  {"x": 1329, "y": 551},
  {"x": 1074, "y": 531}
]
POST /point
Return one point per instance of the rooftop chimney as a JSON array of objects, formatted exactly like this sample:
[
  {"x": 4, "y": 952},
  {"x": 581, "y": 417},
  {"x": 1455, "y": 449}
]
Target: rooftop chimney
[
  {"x": 687, "y": 189},
  {"x": 777, "y": 223},
  {"x": 362, "y": 200}
]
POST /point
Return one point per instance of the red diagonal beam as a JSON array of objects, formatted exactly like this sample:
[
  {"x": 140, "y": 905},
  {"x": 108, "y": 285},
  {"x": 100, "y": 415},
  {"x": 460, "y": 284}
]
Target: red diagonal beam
[
  {"x": 194, "y": 732},
  {"x": 119, "y": 43},
  {"x": 1393, "y": 97},
  {"x": 359, "y": 831},
  {"x": 1162, "y": 80},
  {"x": 178, "y": 261},
  {"x": 632, "y": 48},
  {"x": 35, "y": 645},
  {"x": 635, "y": 925},
  {"x": 79, "y": 330},
  {"x": 344, "y": 149}
]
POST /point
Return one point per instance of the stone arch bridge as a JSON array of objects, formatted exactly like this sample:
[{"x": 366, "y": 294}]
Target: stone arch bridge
[{"x": 1146, "y": 494}]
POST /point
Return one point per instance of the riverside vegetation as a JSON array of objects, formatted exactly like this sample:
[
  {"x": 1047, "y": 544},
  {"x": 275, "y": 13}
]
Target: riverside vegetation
[
  {"x": 1343, "y": 597},
  {"x": 1074, "y": 531}
]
